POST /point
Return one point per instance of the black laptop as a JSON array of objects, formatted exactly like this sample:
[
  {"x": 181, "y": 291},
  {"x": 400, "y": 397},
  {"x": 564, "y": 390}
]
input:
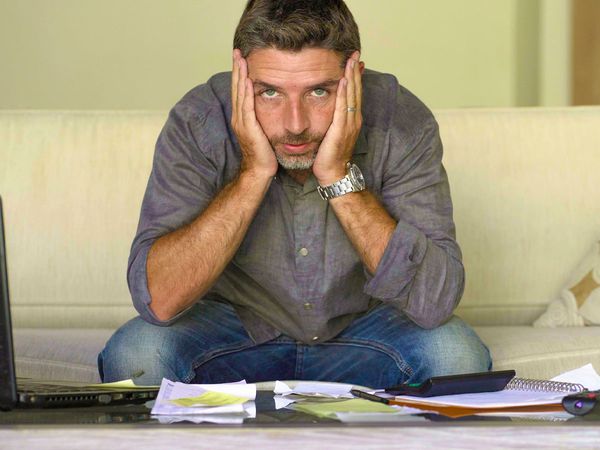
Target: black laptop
[{"x": 38, "y": 394}]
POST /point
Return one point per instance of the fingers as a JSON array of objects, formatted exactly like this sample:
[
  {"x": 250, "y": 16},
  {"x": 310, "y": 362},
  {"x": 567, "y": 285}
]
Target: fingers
[
  {"x": 248, "y": 114},
  {"x": 358, "y": 83},
  {"x": 341, "y": 103},
  {"x": 351, "y": 90},
  {"x": 235, "y": 75},
  {"x": 243, "y": 114},
  {"x": 350, "y": 95},
  {"x": 239, "y": 89},
  {"x": 354, "y": 91}
]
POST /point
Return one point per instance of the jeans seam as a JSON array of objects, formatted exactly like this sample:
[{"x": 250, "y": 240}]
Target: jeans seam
[
  {"x": 387, "y": 350},
  {"x": 299, "y": 369}
]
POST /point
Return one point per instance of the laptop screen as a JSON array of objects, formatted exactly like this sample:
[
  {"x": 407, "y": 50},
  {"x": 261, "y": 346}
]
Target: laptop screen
[{"x": 8, "y": 388}]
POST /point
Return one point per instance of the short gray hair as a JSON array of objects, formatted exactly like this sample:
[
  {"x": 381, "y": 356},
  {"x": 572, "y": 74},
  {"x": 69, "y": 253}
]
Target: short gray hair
[{"x": 295, "y": 24}]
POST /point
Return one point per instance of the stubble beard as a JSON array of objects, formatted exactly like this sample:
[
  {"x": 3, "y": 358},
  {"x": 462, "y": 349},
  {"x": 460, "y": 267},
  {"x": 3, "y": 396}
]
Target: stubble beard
[
  {"x": 296, "y": 162},
  {"x": 300, "y": 162}
]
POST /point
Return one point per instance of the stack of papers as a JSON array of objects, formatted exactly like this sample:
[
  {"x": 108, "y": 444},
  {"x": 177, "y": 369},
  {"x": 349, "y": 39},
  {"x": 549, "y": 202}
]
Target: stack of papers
[
  {"x": 285, "y": 395},
  {"x": 335, "y": 401},
  {"x": 180, "y": 401},
  {"x": 353, "y": 410}
]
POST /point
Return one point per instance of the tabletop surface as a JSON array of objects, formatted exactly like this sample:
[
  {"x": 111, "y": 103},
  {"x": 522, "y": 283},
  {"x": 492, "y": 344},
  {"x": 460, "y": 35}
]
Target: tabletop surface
[{"x": 266, "y": 416}]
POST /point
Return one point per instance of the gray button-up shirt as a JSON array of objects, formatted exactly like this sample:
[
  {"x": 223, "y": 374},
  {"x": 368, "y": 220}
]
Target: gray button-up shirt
[{"x": 296, "y": 271}]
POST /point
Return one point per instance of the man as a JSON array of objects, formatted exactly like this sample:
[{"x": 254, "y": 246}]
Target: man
[{"x": 263, "y": 254}]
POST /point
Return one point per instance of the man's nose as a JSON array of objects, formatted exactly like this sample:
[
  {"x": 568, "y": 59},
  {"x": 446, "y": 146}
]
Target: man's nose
[{"x": 296, "y": 118}]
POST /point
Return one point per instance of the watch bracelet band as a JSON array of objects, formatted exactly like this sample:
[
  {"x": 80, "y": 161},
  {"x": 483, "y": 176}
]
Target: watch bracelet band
[{"x": 340, "y": 187}]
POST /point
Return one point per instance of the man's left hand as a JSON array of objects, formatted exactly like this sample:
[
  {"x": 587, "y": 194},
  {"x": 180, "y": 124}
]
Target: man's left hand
[{"x": 338, "y": 144}]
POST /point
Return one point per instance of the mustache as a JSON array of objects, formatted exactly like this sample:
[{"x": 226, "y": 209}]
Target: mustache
[{"x": 296, "y": 139}]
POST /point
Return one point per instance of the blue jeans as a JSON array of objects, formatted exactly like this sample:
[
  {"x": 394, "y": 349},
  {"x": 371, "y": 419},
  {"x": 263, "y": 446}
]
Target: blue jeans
[{"x": 209, "y": 345}]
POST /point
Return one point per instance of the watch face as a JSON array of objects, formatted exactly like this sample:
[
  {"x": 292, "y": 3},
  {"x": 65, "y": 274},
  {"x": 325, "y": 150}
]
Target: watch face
[{"x": 356, "y": 177}]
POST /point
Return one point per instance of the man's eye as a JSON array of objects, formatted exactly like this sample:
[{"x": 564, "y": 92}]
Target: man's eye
[
  {"x": 269, "y": 93},
  {"x": 319, "y": 92}
]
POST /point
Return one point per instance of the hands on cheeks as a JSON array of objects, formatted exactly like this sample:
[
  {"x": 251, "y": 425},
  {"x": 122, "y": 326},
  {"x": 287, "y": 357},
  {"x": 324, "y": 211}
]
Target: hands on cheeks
[
  {"x": 338, "y": 144},
  {"x": 257, "y": 153}
]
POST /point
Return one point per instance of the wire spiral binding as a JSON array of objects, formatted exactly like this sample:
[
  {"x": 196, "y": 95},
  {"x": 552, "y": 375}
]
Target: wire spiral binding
[{"x": 527, "y": 384}]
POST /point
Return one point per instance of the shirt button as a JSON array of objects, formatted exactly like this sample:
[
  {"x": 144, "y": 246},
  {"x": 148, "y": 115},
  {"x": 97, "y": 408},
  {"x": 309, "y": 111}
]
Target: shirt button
[
  {"x": 303, "y": 251},
  {"x": 315, "y": 338},
  {"x": 308, "y": 306}
]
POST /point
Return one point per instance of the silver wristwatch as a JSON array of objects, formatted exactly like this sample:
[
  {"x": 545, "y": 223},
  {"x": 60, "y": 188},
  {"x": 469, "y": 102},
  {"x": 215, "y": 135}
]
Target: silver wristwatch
[{"x": 352, "y": 182}]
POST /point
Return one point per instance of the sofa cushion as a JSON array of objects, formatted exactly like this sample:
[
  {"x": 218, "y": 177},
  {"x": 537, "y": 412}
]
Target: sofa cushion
[
  {"x": 526, "y": 204},
  {"x": 72, "y": 184},
  {"x": 541, "y": 353},
  {"x": 54, "y": 354}
]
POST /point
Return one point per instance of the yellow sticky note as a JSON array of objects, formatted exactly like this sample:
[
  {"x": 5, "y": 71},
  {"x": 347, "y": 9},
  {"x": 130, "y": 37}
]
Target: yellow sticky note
[
  {"x": 209, "y": 399},
  {"x": 328, "y": 409},
  {"x": 123, "y": 384}
]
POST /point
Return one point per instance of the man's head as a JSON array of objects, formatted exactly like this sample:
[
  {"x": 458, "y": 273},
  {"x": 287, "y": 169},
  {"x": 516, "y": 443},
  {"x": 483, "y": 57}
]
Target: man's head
[
  {"x": 293, "y": 25},
  {"x": 296, "y": 52}
]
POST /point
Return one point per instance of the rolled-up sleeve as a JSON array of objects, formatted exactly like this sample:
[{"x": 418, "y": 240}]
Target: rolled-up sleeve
[
  {"x": 421, "y": 269},
  {"x": 182, "y": 183}
]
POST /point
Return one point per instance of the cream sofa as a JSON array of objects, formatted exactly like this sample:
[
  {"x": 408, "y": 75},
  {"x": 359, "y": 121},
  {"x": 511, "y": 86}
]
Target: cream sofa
[{"x": 527, "y": 209}]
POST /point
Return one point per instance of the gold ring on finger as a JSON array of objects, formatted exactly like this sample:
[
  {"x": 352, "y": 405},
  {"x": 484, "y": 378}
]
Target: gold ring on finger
[{"x": 351, "y": 109}]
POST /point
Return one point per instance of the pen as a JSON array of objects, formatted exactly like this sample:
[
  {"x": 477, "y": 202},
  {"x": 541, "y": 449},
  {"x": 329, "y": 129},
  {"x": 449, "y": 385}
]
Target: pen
[{"x": 366, "y": 395}]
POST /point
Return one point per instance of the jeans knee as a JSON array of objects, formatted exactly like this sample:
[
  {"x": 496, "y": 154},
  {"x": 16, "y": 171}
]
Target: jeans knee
[
  {"x": 460, "y": 350},
  {"x": 136, "y": 351},
  {"x": 453, "y": 348}
]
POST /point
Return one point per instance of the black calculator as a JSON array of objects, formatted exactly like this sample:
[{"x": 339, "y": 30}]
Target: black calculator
[{"x": 467, "y": 383}]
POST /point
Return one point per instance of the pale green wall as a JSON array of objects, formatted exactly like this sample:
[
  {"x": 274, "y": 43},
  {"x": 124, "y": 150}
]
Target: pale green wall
[
  {"x": 450, "y": 53},
  {"x": 555, "y": 53},
  {"x": 145, "y": 54}
]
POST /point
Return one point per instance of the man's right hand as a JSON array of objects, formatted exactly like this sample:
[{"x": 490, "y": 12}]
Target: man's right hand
[{"x": 258, "y": 156}]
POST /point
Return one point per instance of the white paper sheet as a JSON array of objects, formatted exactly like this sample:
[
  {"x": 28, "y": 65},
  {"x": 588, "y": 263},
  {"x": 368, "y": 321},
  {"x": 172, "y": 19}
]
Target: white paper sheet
[
  {"x": 328, "y": 390},
  {"x": 229, "y": 419},
  {"x": 282, "y": 401},
  {"x": 585, "y": 375},
  {"x": 170, "y": 390}
]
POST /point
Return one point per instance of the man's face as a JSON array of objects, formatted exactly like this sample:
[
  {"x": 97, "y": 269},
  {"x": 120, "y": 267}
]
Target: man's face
[{"x": 294, "y": 100}]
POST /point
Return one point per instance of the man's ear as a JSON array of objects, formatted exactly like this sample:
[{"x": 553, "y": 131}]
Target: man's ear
[{"x": 361, "y": 66}]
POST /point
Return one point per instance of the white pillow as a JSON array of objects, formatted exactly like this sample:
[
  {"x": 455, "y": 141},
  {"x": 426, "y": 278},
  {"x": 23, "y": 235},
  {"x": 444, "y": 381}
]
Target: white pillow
[{"x": 579, "y": 302}]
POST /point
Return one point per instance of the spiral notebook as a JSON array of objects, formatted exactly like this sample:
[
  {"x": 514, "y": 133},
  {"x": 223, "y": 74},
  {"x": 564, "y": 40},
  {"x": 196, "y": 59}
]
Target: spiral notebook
[
  {"x": 519, "y": 392},
  {"x": 477, "y": 382},
  {"x": 519, "y": 395}
]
